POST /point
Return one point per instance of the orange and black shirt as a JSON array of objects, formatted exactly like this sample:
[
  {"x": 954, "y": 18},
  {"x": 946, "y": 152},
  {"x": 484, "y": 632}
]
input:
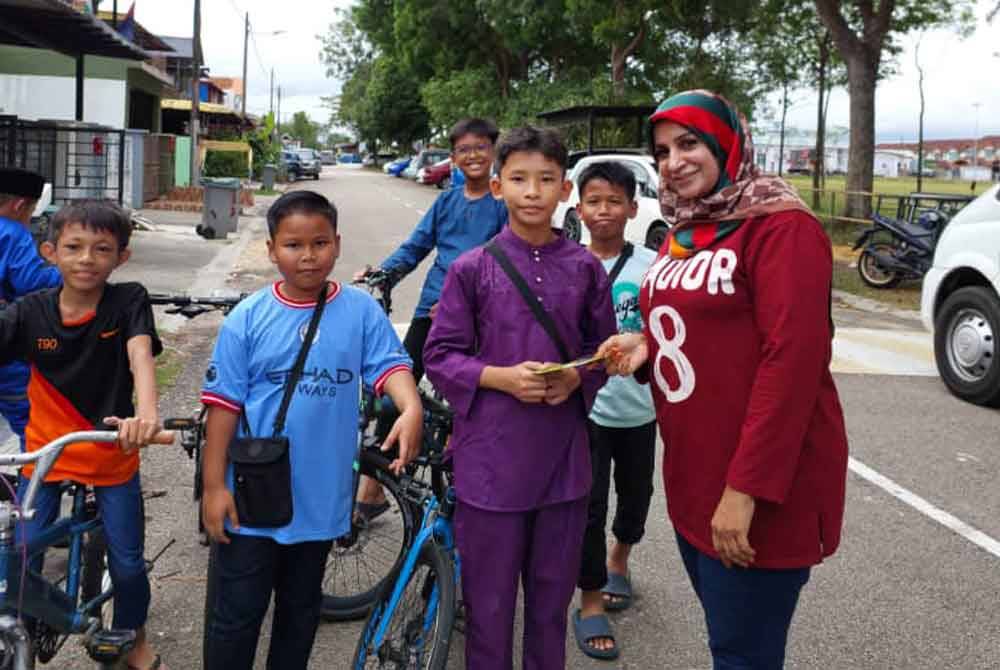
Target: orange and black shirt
[{"x": 80, "y": 374}]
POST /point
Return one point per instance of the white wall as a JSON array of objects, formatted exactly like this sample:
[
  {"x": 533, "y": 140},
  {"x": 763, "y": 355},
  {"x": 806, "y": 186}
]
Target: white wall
[{"x": 36, "y": 97}]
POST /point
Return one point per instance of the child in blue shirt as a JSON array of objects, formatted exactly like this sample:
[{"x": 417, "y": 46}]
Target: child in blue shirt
[
  {"x": 256, "y": 348},
  {"x": 21, "y": 271},
  {"x": 460, "y": 219}
]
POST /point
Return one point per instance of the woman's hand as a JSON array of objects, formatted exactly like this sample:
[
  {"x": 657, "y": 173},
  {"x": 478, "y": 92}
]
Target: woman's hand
[
  {"x": 559, "y": 385},
  {"x": 731, "y": 528},
  {"x": 624, "y": 354}
]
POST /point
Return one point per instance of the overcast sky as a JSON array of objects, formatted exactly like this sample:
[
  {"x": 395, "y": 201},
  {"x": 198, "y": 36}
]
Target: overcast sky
[{"x": 957, "y": 73}]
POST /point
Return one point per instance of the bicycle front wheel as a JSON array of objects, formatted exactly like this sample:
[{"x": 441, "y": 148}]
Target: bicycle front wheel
[
  {"x": 362, "y": 561},
  {"x": 418, "y": 630}
]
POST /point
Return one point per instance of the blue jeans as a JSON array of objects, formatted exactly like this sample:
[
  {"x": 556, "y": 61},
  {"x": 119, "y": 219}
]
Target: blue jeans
[
  {"x": 242, "y": 575},
  {"x": 748, "y": 611},
  {"x": 121, "y": 510}
]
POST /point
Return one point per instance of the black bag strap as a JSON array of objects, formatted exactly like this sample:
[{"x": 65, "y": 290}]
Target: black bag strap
[
  {"x": 543, "y": 317},
  {"x": 620, "y": 263},
  {"x": 300, "y": 362}
]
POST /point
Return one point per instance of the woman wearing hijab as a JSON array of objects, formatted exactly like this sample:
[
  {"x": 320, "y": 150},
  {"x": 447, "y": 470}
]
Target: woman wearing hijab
[{"x": 737, "y": 348}]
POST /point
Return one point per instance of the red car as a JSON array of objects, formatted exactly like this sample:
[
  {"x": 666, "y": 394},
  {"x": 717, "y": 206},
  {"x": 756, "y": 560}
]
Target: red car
[{"x": 438, "y": 174}]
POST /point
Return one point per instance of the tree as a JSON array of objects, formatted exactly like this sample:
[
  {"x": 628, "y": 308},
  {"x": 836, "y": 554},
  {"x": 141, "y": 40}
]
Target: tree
[
  {"x": 620, "y": 26},
  {"x": 862, "y": 31},
  {"x": 302, "y": 128}
]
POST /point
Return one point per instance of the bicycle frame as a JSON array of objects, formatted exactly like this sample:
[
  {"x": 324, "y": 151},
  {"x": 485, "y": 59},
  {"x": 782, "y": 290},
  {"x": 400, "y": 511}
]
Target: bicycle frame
[
  {"x": 37, "y": 597},
  {"x": 433, "y": 528}
]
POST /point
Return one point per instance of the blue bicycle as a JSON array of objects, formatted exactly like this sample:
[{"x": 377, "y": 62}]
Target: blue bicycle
[
  {"x": 73, "y": 606},
  {"x": 412, "y": 619}
]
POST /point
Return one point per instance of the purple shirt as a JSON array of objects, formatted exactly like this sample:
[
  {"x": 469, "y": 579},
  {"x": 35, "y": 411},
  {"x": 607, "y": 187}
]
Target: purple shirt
[{"x": 512, "y": 456}]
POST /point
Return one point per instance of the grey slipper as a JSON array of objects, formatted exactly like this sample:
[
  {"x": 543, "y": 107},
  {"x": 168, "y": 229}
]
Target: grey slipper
[
  {"x": 592, "y": 628},
  {"x": 619, "y": 590}
]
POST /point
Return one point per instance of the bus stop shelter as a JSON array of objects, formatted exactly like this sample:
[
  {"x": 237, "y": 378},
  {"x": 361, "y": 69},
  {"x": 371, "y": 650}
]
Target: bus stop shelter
[{"x": 591, "y": 115}]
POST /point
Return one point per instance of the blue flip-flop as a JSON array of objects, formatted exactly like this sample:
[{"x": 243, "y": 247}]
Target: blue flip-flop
[
  {"x": 591, "y": 628},
  {"x": 619, "y": 588}
]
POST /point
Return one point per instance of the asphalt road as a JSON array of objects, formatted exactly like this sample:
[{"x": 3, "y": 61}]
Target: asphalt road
[{"x": 904, "y": 591}]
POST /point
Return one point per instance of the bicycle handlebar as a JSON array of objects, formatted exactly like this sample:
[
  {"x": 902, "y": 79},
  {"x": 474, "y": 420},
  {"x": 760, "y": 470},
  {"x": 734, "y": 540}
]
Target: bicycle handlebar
[
  {"x": 46, "y": 457},
  {"x": 185, "y": 300}
]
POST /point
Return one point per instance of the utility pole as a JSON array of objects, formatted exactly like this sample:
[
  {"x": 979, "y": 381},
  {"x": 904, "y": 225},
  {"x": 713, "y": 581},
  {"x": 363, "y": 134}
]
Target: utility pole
[
  {"x": 272, "y": 92},
  {"x": 975, "y": 140},
  {"x": 246, "y": 37},
  {"x": 195, "y": 95},
  {"x": 277, "y": 123}
]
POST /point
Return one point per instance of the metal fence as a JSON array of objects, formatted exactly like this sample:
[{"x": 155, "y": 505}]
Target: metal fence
[
  {"x": 830, "y": 205},
  {"x": 80, "y": 160}
]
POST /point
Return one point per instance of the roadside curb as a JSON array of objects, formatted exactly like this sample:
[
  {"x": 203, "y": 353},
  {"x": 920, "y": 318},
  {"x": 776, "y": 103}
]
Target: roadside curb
[{"x": 874, "y": 306}]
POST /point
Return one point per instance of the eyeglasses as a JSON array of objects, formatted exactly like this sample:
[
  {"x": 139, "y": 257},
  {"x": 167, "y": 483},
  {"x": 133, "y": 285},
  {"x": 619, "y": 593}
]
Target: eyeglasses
[{"x": 469, "y": 149}]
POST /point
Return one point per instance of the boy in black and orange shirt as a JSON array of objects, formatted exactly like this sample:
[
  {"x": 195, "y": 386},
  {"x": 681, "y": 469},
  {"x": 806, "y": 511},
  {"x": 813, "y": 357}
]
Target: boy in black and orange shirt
[{"x": 91, "y": 345}]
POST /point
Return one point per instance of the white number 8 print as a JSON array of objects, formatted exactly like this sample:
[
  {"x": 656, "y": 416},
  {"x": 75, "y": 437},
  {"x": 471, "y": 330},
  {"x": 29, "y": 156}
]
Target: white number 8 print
[{"x": 670, "y": 348}]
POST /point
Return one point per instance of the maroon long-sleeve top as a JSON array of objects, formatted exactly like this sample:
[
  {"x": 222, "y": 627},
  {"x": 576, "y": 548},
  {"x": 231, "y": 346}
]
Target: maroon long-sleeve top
[{"x": 739, "y": 349}]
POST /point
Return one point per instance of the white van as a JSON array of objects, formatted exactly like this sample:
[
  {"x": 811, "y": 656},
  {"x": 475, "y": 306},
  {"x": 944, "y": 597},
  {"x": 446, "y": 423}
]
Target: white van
[{"x": 960, "y": 302}]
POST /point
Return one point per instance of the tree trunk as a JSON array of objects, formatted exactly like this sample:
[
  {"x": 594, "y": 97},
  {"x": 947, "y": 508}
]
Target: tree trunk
[
  {"x": 920, "y": 124},
  {"x": 862, "y": 73},
  {"x": 819, "y": 164},
  {"x": 620, "y": 55},
  {"x": 781, "y": 138}
]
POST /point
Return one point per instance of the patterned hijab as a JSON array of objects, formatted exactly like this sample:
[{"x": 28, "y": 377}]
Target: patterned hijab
[{"x": 741, "y": 193}]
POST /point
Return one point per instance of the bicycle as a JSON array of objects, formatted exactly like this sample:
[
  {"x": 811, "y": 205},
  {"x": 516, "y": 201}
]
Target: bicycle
[
  {"x": 411, "y": 622},
  {"x": 58, "y": 612}
]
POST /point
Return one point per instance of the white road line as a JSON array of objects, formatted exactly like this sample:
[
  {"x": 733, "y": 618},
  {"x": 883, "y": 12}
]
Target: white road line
[{"x": 953, "y": 523}]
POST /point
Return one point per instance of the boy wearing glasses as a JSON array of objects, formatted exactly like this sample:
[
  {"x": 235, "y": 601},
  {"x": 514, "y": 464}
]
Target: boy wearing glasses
[{"x": 461, "y": 219}]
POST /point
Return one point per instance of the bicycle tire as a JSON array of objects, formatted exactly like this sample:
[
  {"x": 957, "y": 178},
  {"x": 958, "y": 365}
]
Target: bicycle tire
[
  {"x": 361, "y": 563},
  {"x": 433, "y": 567}
]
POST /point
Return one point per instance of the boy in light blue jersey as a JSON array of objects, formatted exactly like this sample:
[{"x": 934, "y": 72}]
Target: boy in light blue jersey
[
  {"x": 254, "y": 354},
  {"x": 622, "y": 422}
]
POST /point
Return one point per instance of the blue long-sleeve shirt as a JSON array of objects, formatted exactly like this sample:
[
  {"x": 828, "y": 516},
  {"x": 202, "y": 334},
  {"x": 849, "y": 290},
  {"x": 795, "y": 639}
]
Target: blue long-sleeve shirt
[
  {"x": 454, "y": 224},
  {"x": 22, "y": 271}
]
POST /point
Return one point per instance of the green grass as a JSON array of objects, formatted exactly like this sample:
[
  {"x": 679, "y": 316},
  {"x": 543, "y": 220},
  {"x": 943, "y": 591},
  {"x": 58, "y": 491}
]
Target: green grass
[
  {"x": 904, "y": 296},
  {"x": 899, "y": 186},
  {"x": 267, "y": 191},
  {"x": 169, "y": 365}
]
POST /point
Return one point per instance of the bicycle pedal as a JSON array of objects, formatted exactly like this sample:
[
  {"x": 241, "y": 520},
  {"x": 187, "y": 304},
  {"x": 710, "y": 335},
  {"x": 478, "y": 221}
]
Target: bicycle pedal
[{"x": 110, "y": 645}]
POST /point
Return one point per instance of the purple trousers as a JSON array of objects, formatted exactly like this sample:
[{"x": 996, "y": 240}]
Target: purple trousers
[{"x": 540, "y": 547}]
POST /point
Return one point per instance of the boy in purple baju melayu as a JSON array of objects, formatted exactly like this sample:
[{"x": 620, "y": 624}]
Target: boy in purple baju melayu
[{"x": 520, "y": 445}]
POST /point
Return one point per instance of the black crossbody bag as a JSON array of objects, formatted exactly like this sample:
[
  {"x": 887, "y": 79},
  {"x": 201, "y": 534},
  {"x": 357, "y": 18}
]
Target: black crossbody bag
[
  {"x": 620, "y": 263},
  {"x": 543, "y": 317},
  {"x": 262, "y": 468}
]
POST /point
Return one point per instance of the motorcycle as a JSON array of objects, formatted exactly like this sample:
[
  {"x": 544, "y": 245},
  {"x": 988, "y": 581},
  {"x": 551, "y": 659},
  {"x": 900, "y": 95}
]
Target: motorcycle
[{"x": 893, "y": 250}]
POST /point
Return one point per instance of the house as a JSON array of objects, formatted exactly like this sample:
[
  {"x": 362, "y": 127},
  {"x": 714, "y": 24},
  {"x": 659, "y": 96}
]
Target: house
[
  {"x": 895, "y": 163},
  {"x": 41, "y": 83},
  {"x": 799, "y": 152},
  {"x": 232, "y": 90},
  {"x": 955, "y": 153}
]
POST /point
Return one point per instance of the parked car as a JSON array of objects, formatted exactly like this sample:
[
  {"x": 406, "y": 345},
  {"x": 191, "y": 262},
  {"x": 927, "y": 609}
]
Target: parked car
[
  {"x": 327, "y": 157},
  {"x": 960, "y": 302},
  {"x": 311, "y": 164},
  {"x": 425, "y": 158},
  {"x": 291, "y": 165},
  {"x": 396, "y": 168},
  {"x": 349, "y": 159},
  {"x": 647, "y": 228},
  {"x": 438, "y": 174}
]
